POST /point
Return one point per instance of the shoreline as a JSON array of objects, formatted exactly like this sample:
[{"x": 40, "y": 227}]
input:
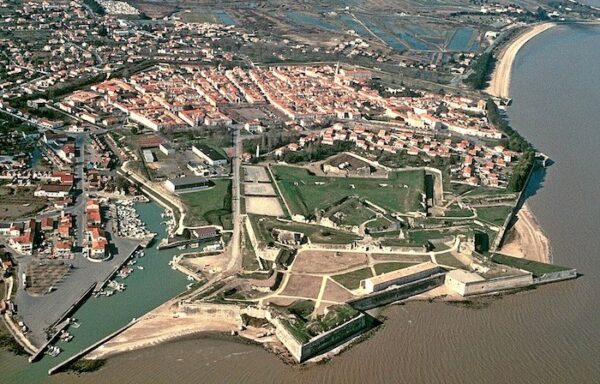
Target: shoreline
[
  {"x": 499, "y": 85},
  {"x": 527, "y": 238}
]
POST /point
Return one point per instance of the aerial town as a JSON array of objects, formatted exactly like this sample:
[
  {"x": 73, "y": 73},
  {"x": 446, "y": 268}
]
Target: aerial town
[{"x": 292, "y": 197}]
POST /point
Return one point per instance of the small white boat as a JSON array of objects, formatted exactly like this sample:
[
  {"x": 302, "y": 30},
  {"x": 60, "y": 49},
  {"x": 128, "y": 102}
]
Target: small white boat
[{"x": 54, "y": 351}]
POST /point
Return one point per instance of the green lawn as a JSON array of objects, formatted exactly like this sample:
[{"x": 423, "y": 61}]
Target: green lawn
[
  {"x": 304, "y": 329},
  {"x": 382, "y": 268},
  {"x": 455, "y": 211},
  {"x": 449, "y": 260},
  {"x": 422, "y": 236},
  {"x": 351, "y": 212},
  {"x": 495, "y": 215},
  {"x": 303, "y": 195},
  {"x": 351, "y": 280},
  {"x": 535, "y": 267},
  {"x": 484, "y": 192},
  {"x": 263, "y": 226},
  {"x": 211, "y": 206},
  {"x": 379, "y": 225},
  {"x": 249, "y": 261}
]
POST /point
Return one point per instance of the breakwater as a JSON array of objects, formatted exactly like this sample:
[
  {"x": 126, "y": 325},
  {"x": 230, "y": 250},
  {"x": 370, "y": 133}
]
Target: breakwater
[{"x": 84, "y": 351}]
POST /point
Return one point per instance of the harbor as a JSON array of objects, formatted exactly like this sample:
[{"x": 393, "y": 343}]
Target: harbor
[{"x": 98, "y": 317}]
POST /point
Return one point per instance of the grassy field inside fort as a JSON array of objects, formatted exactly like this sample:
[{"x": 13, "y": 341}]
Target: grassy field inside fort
[
  {"x": 263, "y": 227},
  {"x": 211, "y": 206},
  {"x": 305, "y": 192},
  {"x": 535, "y": 267},
  {"x": 495, "y": 215},
  {"x": 351, "y": 280}
]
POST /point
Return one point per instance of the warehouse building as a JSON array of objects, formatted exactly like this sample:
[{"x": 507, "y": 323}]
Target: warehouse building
[
  {"x": 210, "y": 155},
  {"x": 187, "y": 184}
]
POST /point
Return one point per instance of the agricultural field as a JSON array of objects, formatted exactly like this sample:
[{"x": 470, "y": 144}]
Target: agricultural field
[
  {"x": 211, "y": 206},
  {"x": 255, "y": 174},
  {"x": 267, "y": 206},
  {"x": 334, "y": 292},
  {"x": 196, "y": 16},
  {"x": 303, "y": 286},
  {"x": 305, "y": 193},
  {"x": 19, "y": 202}
]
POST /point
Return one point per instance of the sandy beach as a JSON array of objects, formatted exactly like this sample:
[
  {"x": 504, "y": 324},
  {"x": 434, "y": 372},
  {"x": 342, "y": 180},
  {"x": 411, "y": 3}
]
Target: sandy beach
[
  {"x": 500, "y": 81},
  {"x": 158, "y": 326},
  {"x": 527, "y": 239}
]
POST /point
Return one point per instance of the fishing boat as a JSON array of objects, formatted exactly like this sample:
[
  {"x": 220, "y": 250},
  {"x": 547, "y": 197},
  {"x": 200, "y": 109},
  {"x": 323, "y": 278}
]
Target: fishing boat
[
  {"x": 65, "y": 336},
  {"x": 53, "y": 351}
]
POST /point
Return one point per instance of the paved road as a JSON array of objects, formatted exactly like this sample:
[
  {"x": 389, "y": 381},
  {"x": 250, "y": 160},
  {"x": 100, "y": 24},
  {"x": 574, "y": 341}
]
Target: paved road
[
  {"x": 78, "y": 207},
  {"x": 235, "y": 263}
]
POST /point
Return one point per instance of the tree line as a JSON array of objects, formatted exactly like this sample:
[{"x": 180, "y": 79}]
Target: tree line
[
  {"x": 514, "y": 142},
  {"x": 481, "y": 71}
]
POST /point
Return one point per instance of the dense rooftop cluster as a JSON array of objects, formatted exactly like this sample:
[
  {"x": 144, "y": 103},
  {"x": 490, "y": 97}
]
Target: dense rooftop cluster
[{"x": 44, "y": 46}]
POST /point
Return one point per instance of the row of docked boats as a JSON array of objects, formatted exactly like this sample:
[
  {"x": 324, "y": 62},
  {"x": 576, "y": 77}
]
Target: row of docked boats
[{"x": 129, "y": 224}]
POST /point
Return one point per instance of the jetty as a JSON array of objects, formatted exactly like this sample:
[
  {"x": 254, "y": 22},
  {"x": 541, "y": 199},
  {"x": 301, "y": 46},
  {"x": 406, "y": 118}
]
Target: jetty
[
  {"x": 83, "y": 352},
  {"x": 101, "y": 284}
]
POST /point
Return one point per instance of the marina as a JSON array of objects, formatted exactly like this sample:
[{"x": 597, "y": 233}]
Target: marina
[
  {"x": 129, "y": 223},
  {"x": 98, "y": 317}
]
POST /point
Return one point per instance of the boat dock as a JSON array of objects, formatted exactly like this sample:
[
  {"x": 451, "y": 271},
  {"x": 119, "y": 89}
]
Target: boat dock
[
  {"x": 75, "y": 305},
  {"x": 83, "y": 352},
  {"x": 52, "y": 339},
  {"x": 62, "y": 323},
  {"x": 101, "y": 284}
]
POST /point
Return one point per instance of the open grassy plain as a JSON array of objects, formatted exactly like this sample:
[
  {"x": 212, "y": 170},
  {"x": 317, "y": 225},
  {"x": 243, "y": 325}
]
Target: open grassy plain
[{"x": 304, "y": 192}]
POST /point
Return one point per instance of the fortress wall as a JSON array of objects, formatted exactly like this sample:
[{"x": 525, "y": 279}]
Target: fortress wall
[
  {"x": 555, "y": 276},
  {"x": 321, "y": 343},
  {"x": 334, "y": 337},
  {"x": 401, "y": 292},
  {"x": 499, "y": 284}
]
